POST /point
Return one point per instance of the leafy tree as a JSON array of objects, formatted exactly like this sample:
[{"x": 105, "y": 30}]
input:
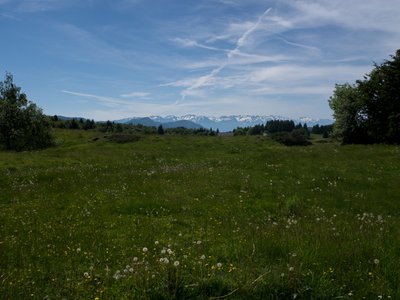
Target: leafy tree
[
  {"x": 381, "y": 93},
  {"x": 348, "y": 110},
  {"x": 22, "y": 124},
  {"x": 369, "y": 111}
]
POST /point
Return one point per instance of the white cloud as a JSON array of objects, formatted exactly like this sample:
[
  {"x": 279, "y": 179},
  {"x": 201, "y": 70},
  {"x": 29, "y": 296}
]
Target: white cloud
[
  {"x": 142, "y": 95},
  {"x": 356, "y": 14}
]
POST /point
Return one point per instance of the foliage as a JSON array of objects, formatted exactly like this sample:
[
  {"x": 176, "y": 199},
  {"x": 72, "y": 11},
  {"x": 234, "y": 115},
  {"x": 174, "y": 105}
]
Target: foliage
[
  {"x": 160, "y": 130},
  {"x": 325, "y": 130},
  {"x": 297, "y": 137},
  {"x": 195, "y": 217},
  {"x": 22, "y": 124},
  {"x": 369, "y": 111},
  {"x": 274, "y": 126}
]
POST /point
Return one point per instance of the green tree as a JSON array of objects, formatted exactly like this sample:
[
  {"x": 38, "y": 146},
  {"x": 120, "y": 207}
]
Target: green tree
[
  {"x": 348, "y": 110},
  {"x": 22, "y": 124},
  {"x": 381, "y": 92},
  {"x": 369, "y": 111}
]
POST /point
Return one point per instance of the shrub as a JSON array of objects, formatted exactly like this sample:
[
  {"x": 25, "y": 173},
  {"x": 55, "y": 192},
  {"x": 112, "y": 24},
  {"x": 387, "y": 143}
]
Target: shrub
[{"x": 297, "y": 137}]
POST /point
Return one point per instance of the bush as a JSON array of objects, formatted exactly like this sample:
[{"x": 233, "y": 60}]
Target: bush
[
  {"x": 297, "y": 137},
  {"x": 22, "y": 124}
]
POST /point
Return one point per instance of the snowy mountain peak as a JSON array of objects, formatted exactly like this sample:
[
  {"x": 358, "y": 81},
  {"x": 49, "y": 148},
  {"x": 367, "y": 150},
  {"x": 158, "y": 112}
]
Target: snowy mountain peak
[{"x": 228, "y": 123}]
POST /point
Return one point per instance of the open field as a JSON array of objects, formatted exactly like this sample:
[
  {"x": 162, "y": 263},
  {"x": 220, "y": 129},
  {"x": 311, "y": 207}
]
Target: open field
[{"x": 190, "y": 217}]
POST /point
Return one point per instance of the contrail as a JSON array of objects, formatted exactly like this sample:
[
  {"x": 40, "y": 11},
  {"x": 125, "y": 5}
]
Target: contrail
[{"x": 204, "y": 80}]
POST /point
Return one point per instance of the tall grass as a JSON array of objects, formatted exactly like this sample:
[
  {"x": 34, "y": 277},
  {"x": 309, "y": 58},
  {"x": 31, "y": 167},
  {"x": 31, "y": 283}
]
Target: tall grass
[{"x": 171, "y": 217}]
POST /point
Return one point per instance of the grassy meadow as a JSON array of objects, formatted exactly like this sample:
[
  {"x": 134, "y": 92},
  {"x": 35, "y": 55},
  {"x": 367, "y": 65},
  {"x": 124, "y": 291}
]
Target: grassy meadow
[{"x": 185, "y": 217}]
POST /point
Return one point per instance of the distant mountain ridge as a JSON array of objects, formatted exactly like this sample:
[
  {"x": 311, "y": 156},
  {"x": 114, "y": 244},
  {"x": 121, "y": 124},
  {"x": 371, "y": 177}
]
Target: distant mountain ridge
[
  {"x": 149, "y": 121},
  {"x": 223, "y": 123}
]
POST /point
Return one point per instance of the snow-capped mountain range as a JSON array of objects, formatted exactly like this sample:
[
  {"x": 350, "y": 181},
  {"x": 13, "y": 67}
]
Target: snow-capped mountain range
[{"x": 223, "y": 123}]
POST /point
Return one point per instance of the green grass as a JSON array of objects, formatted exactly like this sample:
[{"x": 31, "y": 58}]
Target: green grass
[{"x": 245, "y": 218}]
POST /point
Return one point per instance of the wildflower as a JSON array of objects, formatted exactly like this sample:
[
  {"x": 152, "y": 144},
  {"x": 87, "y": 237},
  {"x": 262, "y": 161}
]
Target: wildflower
[
  {"x": 78, "y": 250},
  {"x": 156, "y": 243},
  {"x": 117, "y": 275},
  {"x": 163, "y": 251},
  {"x": 170, "y": 251},
  {"x": 145, "y": 249},
  {"x": 164, "y": 260},
  {"x": 376, "y": 261},
  {"x": 86, "y": 274},
  {"x": 198, "y": 242},
  {"x": 203, "y": 257},
  {"x": 291, "y": 269},
  {"x": 219, "y": 265},
  {"x": 176, "y": 263}
]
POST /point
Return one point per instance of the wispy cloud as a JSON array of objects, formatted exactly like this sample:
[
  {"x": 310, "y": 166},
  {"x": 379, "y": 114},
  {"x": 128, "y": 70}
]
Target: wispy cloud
[
  {"x": 142, "y": 95},
  {"x": 194, "y": 44},
  {"x": 209, "y": 79},
  {"x": 102, "y": 99}
]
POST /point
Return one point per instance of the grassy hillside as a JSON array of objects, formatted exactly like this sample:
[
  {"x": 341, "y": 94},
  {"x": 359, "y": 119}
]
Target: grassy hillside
[{"x": 171, "y": 217}]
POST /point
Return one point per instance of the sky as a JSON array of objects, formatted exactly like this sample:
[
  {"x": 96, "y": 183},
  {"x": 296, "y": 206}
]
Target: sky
[{"x": 113, "y": 59}]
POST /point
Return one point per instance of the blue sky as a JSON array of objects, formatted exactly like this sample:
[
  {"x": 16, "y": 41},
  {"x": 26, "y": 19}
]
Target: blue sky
[{"x": 111, "y": 59}]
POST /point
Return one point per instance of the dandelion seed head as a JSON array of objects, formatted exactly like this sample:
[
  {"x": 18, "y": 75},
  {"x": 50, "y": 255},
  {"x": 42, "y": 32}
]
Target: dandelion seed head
[
  {"x": 145, "y": 249},
  {"x": 176, "y": 263}
]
